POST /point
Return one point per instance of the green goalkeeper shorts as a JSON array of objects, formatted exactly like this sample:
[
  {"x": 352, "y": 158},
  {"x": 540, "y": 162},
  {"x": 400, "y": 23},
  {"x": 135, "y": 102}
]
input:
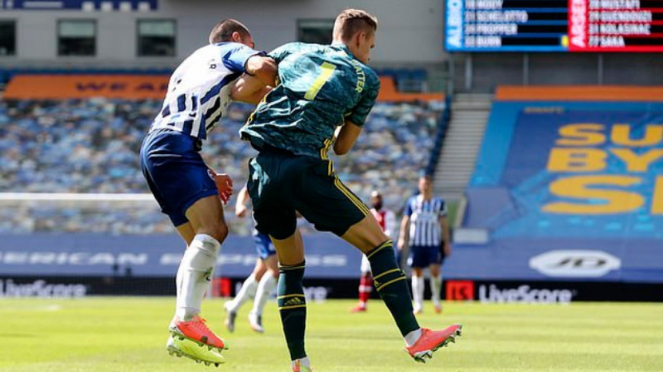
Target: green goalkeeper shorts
[{"x": 281, "y": 183}]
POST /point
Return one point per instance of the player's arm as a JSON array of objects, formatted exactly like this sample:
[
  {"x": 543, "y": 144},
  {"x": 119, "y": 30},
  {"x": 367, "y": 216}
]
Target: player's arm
[
  {"x": 249, "y": 89},
  {"x": 346, "y": 138},
  {"x": 241, "y": 59},
  {"x": 263, "y": 68},
  {"x": 240, "y": 204},
  {"x": 404, "y": 235},
  {"x": 355, "y": 119}
]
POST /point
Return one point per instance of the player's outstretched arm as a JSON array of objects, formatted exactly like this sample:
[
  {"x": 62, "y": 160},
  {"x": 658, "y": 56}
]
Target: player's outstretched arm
[
  {"x": 404, "y": 235},
  {"x": 240, "y": 204},
  {"x": 346, "y": 138},
  {"x": 262, "y": 68},
  {"x": 249, "y": 89}
]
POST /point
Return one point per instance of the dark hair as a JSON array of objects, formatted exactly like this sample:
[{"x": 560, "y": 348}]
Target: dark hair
[
  {"x": 223, "y": 31},
  {"x": 351, "y": 21}
]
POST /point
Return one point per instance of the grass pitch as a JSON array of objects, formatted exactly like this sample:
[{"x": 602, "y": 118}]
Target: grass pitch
[{"x": 129, "y": 334}]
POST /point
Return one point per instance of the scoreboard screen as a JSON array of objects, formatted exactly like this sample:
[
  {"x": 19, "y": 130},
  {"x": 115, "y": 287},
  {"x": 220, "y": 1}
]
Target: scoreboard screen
[{"x": 554, "y": 25}]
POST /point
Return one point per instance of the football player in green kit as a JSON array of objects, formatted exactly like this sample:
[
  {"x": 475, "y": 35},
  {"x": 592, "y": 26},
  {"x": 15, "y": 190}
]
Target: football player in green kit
[{"x": 319, "y": 89}]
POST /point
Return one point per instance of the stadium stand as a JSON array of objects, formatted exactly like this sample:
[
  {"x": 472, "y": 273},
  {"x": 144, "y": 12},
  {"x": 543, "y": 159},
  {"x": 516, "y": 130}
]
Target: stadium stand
[
  {"x": 91, "y": 146},
  {"x": 568, "y": 168}
]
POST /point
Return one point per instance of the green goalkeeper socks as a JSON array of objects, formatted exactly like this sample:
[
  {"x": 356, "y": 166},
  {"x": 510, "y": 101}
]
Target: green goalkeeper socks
[
  {"x": 391, "y": 283},
  {"x": 292, "y": 306}
]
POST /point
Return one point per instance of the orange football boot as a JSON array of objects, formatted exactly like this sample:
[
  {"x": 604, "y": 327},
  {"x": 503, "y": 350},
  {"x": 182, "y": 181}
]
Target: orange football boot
[
  {"x": 430, "y": 341},
  {"x": 197, "y": 331}
]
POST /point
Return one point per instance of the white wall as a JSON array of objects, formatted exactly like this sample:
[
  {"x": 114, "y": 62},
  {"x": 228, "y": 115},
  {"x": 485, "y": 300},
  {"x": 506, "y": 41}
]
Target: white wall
[{"x": 409, "y": 30}]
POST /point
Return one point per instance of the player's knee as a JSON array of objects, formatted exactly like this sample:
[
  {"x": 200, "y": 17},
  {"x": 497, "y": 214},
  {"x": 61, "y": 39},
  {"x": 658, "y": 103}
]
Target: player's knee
[{"x": 218, "y": 231}]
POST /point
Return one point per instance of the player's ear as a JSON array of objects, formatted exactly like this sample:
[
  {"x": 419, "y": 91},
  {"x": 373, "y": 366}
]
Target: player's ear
[
  {"x": 236, "y": 37},
  {"x": 358, "y": 38}
]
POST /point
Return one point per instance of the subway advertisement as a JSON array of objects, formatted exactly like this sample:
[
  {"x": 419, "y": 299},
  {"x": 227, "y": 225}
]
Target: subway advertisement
[{"x": 570, "y": 191}]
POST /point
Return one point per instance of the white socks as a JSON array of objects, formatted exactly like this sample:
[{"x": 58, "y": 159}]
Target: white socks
[
  {"x": 265, "y": 288},
  {"x": 412, "y": 337},
  {"x": 247, "y": 291},
  {"x": 303, "y": 362},
  {"x": 195, "y": 274},
  {"x": 418, "y": 292},
  {"x": 436, "y": 286}
]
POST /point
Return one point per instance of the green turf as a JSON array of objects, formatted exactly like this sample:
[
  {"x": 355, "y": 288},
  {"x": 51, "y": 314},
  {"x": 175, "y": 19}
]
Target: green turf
[{"x": 129, "y": 334}]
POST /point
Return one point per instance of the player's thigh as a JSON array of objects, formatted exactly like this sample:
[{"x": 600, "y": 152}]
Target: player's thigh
[
  {"x": 259, "y": 270},
  {"x": 272, "y": 265},
  {"x": 366, "y": 234},
  {"x": 206, "y": 217},
  {"x": 264, "y": 246},
  {"x": 330, "y": 206},
  {"x": 179, "y": 177},
  {"x": 290, "y": 251},
  {"x": 421, "y": 256},
  {"x": 417, "y": 272},
  {"x": 266, "y": 252},
  {"x": 268, "y": 184},
  {"x": 186, "y": 231},
  {"x": 434, "y": 270}
]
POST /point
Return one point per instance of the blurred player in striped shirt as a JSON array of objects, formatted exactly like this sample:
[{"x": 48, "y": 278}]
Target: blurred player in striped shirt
[{"x": 424, "y": 229}]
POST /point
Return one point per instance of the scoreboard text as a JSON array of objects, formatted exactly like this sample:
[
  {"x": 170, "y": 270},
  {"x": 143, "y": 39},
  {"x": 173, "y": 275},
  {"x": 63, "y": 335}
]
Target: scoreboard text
[{"x": 554, "y": 25}]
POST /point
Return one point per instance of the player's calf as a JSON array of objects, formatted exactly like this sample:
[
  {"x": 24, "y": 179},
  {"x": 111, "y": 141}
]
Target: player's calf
[{"x": 292, "y": 307}]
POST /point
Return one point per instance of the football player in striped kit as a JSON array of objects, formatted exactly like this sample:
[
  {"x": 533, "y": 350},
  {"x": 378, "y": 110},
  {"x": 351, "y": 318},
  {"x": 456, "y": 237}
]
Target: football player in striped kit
[
  {"x": 387, "y": 221},
  {"x": 425, "y": 230},
  {"x": 187, "y": 190}
]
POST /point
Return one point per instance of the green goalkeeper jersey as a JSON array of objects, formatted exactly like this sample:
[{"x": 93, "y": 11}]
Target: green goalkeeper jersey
[{"x": 320, "y": 87}]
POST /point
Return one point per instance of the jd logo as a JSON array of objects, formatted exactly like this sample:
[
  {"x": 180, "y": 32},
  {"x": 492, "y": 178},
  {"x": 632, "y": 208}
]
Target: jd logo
[
  {"x": 460, "y": 290},
  {"x": 575, "y": 264}
]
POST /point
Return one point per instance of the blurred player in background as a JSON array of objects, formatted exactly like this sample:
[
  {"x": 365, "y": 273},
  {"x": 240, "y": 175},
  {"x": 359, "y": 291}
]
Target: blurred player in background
[
  {"x": 261, "y": 282},
  {"x": 424, "y": 229},
  {"x": 186, "y": 189},
  {"x": 321, "y": 88},
  {"x": 387, "y": 221}
]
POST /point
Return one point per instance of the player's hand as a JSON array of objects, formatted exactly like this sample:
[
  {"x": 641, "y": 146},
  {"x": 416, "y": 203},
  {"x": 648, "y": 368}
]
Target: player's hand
[
  {"x": 240, "y": 211},
  {"x": 401, "y": 244},
  {"x": 447, "y": 249},
  {"x": 224, "y": 184}
]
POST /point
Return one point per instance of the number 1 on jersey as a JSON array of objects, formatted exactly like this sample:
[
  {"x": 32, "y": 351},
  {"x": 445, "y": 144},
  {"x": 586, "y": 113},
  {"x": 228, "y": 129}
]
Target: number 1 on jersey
[{"x": 325, "y": 74}]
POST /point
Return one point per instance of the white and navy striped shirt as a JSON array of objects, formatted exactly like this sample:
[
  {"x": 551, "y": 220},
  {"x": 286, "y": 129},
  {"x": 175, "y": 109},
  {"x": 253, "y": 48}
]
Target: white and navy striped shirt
[
  {"x": 425, "y": 216},
  {"x": 199, "y": 89}
]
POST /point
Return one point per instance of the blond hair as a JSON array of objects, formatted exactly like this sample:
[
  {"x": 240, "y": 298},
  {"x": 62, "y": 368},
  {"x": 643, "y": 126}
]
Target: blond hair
[{"x": 351, "y": 21}]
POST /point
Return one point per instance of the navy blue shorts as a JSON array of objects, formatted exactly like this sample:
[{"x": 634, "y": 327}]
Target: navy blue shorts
[
  {"x": 175, "y": 172},
  {"x": 422, "y": 256},
  {"x": 264, "y": 246}
]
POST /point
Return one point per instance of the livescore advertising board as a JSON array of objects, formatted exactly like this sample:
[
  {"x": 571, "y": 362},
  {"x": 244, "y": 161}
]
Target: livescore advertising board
[{"x": 554, "y": 25}]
